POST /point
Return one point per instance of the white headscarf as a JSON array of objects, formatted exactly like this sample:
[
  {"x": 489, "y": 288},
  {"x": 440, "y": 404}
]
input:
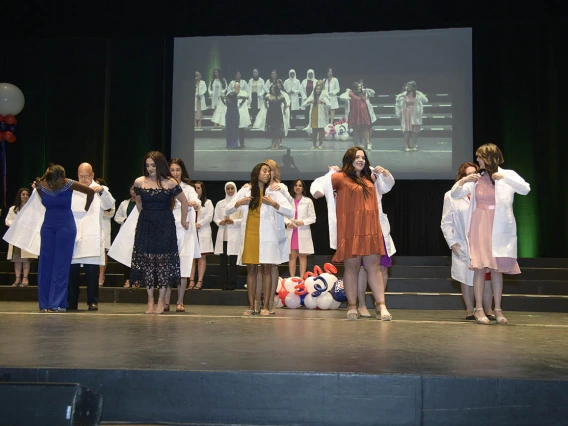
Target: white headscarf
[
  {"x": 308, "y": 75},
  {"x": 290, "y": 72},
  {"x": 227, "y": 198}
]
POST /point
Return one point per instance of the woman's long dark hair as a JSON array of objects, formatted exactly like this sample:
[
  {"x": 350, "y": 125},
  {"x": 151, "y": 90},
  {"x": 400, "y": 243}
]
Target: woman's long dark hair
[
  {"x": 255, "y": 190},
  {"x": 294, "y": 182},
  {"x": 220, "y": 78},
  {"x": 18, "y": 201},
  {"x": 203, "y": 196},
  {"x": 349, "y": 170},
  {"x": 53, "y": 173},
  {"x": 413, "y": 87},
  {"x": 184, "y": 174},
  {"x": 491, "y": 156},
  {"x": 162, "y": 169}
]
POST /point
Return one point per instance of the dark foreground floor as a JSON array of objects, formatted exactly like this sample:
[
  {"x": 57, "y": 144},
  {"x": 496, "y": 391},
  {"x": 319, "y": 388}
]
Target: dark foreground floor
[{"x": 217, "y": 338}]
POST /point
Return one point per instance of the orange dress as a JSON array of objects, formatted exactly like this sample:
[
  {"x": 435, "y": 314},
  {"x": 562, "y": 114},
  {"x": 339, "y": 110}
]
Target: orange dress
[{"x": 359, "y": 231}]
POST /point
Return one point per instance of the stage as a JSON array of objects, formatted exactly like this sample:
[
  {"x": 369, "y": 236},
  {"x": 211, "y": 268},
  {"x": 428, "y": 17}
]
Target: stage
[{"x": 211, "y": 365}]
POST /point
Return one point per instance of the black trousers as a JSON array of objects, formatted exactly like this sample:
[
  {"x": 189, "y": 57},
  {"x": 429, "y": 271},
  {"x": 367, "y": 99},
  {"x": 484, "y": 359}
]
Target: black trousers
[
  {"x": 92, "y": 275},
  {"x": 228, "y": 269},
  {"x": 241, "y": 137}
]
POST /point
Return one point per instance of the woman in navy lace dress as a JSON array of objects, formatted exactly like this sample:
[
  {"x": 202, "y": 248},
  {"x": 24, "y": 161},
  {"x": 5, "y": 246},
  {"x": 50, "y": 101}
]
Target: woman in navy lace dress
[{"x": 155, "y": 256}]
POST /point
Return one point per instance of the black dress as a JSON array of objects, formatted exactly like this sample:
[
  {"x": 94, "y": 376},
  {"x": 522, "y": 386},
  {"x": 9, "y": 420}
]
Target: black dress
[
  {"x": 155, "y": 255},
  {"x": 274, "y": 118}
]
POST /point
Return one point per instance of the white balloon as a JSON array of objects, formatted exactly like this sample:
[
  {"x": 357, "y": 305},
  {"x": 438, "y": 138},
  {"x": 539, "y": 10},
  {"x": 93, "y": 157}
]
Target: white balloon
[
  {"x": 335, "y": 304},
  {"x": 324, "y": 300},
  {"x": 309, "y": 283},
  {"x": 278, "y": 302},
  {"x": 345, "y": 137},
  {"x": 11, "y": 99},
  {"x": 329, "y": 279},
  {"x": 279, "y": 286},
  {"x": 289, "y": 284},
  {"x": 293, "y": 301},
  {"x": 310, "y": 302}
]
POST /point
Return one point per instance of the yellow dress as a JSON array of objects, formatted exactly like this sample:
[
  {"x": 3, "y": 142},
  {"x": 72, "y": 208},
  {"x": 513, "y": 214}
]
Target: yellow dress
[
  {"x": 315, "y": 117},
  {"x": 251, "y": 249}
]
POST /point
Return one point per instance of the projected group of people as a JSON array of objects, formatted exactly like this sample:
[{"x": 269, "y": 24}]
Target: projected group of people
[
  {"x": 275, "y": 105},
  {"x": 166, "y": 231}
]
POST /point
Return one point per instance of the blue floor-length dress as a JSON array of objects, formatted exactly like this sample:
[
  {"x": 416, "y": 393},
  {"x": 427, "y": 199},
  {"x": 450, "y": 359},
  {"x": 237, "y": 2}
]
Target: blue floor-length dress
[{"x": 58, "y": 234}]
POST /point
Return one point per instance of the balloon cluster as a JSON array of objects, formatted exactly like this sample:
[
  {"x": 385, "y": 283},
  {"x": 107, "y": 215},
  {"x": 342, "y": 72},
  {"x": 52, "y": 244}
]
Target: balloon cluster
[
  {"x": 318, "y": 290},
  {"x": 338, "y": 131},
  {"x": 8, "y": 128}
]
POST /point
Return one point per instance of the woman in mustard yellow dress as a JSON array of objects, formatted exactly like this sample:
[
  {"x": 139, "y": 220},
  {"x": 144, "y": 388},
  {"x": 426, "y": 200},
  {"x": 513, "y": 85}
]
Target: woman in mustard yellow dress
[{"x": 259, "y": 237}]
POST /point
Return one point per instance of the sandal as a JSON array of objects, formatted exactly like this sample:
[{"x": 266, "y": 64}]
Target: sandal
[
  {"x": 198, "y": 287},
  {"x": 191, "y": 287},
  {"x": 180, "y": 308},
  {"x": 483, "y": 320},
  {"x": 352, "y": 314},
  {"x": 17, "y": 282},
  {"x": 25, "y": 282},
  {"x": 383, "y": 314},
  {"x": 264, "y": 313},
  {"x": 500, "y": 318},
  {"x": 248, "y": 313}
]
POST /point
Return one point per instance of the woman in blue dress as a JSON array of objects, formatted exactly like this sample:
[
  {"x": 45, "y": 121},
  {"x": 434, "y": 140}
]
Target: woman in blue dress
[
  {"x": 155, "y": 255},
  {"x": 58, "y": 233}
]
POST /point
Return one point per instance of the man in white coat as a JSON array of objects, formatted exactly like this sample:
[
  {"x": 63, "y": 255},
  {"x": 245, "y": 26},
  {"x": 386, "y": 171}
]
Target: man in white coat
[{"x": 89, "y": 247}]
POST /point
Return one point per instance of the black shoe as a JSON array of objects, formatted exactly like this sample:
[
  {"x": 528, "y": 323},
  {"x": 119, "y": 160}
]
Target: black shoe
[
  {"x": 491, "y": 317},
  {"x": 93, "y": 307},
  {"x": 470, "y": 317}
]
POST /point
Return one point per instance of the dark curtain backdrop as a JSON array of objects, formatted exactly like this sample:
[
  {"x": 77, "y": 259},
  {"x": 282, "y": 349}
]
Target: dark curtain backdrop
[{"x": 107, "y": 100}]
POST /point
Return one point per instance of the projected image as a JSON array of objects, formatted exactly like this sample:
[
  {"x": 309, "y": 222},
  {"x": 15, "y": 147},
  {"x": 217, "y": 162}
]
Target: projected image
[{"x": 303, "y": 100}]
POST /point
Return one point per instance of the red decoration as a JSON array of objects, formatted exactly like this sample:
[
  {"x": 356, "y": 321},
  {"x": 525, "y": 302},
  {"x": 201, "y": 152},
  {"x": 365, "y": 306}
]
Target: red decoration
[
  {"x": 9, "y": 137},
  {"x": 10, "y": 119},
  {"x": 1, "y": 117}
]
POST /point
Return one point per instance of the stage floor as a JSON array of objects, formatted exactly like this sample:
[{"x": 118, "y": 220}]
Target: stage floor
[{"x": 218, "y": 338}]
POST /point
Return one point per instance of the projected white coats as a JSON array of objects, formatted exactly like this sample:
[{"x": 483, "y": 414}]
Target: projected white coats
[
  {"x": 323, "y": 111},
  {"x": 188, "y": 246},
  {"x": 244, "y": 86},
  {"x": 504, "y": 237},
  {"x": 332, "y": 88},
  {"x": 204, "y": 218},
  {"x": 454, "y": 218},
  {"x": 306, "y": 214},
  {"x": 200, "y": 92},
  {"x": 244, "y": 115},
  {"x": 294, "y": 89},
  {"x": 230, "y": 232},
  {"x": 122, "y": 212},
  {"x": 304, "y": 85},
  {"x": 259, "y": 90},
  {"x": 216, "y": 90},
  {"x": 271, "y": 238},
  {"x": 400, "y": 106},
  {"x": 260, "y": 122}
]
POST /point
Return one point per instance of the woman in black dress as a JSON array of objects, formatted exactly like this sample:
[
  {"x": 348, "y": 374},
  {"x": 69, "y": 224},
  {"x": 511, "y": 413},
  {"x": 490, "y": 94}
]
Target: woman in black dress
[
  {"x": 275, "y": 105},
  {"x": 232, "y": 118},
  {"x": 155, "y": 255}
]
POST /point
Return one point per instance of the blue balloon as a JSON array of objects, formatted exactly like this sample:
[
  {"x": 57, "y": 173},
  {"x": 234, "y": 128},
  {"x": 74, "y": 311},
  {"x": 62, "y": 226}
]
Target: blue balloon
[
  {"x": 2, "y": 126},
  {"x": 12, "y": 128},
  {"x": 319, "y": 288},
  {"x": 338, "y": 292}
]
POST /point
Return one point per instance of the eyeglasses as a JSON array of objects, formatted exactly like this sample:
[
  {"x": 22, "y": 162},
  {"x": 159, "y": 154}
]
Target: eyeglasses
[{"x": 85, "y": 176}]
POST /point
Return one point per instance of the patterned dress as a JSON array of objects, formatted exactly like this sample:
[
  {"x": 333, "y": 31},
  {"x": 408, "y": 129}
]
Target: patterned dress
[{"x": 155, "y": 255}]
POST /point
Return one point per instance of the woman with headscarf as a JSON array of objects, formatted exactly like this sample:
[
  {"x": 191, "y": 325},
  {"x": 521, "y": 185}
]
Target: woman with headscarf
[
  {"x": 226, "y": 244},
  {"x": 409, "y": 106},
  {"x": 200, "y": 104},
  {"x": 293, "y": 87},
  {"x": 256, "y": 94}
]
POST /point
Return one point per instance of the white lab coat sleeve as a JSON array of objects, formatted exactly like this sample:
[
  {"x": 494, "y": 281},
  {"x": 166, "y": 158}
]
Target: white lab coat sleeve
[
  {"x": 120, "y": 215},
  {"x": 231, "y": 208},
  {"x": 447, "y": 224},
  {"x": 106, "y": 199},
  {"x": 205, "y": 214},
  {"x": 284, "y": 208},
  {"x": 516, "y": 182},
  {"x": 458, "y": 191},
  {"x": 10, "y": 216},
  {"x": 123, "y": 244},
  {"x": 311, "y": 213},
  {"x": 384, "y": 183},
  {"x": 398, "y": 105},
  {"x": 345, "y": 95},
  {"x": 218, "y": 215}
]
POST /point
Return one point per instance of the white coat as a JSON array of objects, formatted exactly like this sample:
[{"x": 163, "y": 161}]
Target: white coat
[
  {"x": 216, "y": 90},
  {"x": 10, "y": 217},
  {"x": 453, "y": 224},
  {"x": 25, "y": 231},
  {"x": 107, "y": 216},
  {"x": 504, "y": 236},
  {"x": 229, "y": 233},
  {"x": 283, "y": 245},
  {"x": 293, "y": 85},
  {"x": 382, "y": 186},
  {"x": 204, "y": 218},
  {"x": 188, "y": 246},
  {"x": 90, "y": 234},
  {"x": 323, "y": 111},
  {"x": 306, "y": 214},
  {"x": 200, "y": 92},
  {"x": 244, "y": 115},
  {"x": 369, "y": 93},
  {"x": 304, "y": 85},
  {"x": 271, "y": 238},
  {"x": 219, "y": 114},
  {"x": 244, "y": 86},
  {"x": 121, "y": 212},
  {"x": 267, "y": 85},
  {"x": 400, "y": 104},
  {"x": 332, "y": 88},
  {"x": 260, "y": 91}
]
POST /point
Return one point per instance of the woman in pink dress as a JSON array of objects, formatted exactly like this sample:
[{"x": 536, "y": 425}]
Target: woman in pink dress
[
  {"x": 409, "y": 108},
  {"x": 491, "y": 226}
]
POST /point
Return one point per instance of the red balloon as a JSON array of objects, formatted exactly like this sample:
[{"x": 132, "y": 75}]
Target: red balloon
[
  {"x": 9, "y": 137},
  {"x": 10, "y": 119}
]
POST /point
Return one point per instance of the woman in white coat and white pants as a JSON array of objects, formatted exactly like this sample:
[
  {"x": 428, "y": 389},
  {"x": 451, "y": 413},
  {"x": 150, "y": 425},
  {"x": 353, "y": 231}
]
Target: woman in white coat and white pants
[
  {"x": 331, "y": 86},
  {"x": 226, "y": 244},
  {"x": 491, "y": 227},
  {"x": 454, "y": 217},
  {"x": 298, "y": 230},
  {"x": 200, "y": 102},
  {"x": 260, "y": 240},
  {"x": 204, "y": 235}
]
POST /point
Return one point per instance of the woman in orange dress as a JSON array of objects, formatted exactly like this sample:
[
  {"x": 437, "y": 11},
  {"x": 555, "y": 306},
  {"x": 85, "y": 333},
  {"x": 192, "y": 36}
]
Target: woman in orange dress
[{"x": 359, "y": 233}]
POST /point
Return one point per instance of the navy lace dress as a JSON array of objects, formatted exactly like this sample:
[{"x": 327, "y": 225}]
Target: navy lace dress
[{"x": 155, "y": 256}]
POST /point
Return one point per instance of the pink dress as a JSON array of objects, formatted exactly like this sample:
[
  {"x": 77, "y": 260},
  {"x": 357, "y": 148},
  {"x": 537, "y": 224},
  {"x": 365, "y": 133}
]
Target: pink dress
[
  {"x": 294, "y": 245},
  {"x": 481, "y": 230},
  {"x": 407, "y": 114}
]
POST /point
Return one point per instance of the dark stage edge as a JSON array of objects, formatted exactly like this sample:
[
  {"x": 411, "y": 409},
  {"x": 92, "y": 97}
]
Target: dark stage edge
[{"x": 210, "y": 365}]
